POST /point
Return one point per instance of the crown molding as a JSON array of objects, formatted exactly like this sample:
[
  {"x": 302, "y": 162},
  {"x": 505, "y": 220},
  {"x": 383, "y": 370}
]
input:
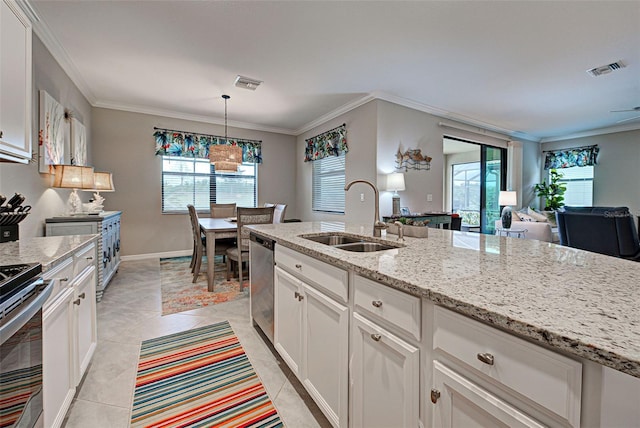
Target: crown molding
[
  {"x": 594, "y": 132},
  {"x": 57, "y": 51},
  {"x": 334, "y": 113},
  {"x": 192, "y": 117}
]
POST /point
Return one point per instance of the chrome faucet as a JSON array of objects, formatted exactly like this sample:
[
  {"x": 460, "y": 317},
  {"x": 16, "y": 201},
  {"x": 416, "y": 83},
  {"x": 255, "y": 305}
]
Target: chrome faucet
[{"x": 378, "y": 226}]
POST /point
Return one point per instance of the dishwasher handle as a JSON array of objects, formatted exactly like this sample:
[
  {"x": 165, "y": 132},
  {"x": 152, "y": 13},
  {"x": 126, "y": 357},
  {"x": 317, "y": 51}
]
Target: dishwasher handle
[{"x": 266, "y": 243}]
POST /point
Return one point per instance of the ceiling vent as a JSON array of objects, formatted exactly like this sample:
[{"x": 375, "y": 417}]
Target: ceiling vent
[
  {"x": 247, "y": 82},
  {"x": 606, "y": 69}
]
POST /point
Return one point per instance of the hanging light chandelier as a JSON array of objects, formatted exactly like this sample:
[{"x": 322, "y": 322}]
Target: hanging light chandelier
[{"x": 225, "y": 157}]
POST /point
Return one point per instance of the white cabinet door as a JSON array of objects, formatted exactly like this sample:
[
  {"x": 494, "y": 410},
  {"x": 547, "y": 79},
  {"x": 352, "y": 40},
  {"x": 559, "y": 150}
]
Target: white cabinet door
[
  {"x": 287, "y": 335},
  {"x": 15, "y": 83},
  {"x": 385, "y": 378},
  {"x": 84, "y": 320},
  {"x": 325, "y": 354},
  {"x": 58, "y": 374},
  {"x": 460, "y": 403}
]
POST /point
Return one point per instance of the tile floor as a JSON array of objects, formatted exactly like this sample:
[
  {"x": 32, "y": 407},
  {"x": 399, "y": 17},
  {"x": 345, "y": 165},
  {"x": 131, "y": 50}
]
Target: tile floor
[{"x": 130, "y": 312}]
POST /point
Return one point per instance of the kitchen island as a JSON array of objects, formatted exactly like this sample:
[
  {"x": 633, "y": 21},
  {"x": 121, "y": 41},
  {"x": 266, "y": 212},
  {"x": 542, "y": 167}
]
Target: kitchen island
[{"x": 577, "y": 304}]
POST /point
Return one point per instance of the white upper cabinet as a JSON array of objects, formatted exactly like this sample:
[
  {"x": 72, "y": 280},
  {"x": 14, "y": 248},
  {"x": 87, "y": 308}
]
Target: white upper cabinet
[{"x": 15, "y": 83}]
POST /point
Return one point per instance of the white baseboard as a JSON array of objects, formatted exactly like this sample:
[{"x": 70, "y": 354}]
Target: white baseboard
[{"x": 167, "y": 254}]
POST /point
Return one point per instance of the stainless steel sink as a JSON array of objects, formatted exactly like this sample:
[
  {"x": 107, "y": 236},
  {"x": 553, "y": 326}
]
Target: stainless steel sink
[
  {"x": 350, "y": 243},
  {"x": 365, "y": 247}
]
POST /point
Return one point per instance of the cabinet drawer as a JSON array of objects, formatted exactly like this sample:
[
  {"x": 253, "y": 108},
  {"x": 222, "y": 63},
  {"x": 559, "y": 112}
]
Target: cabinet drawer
[
  {"x": 544, "y": 377},
  {"x": 83, "y": 258},
  {"x": 62, "y": 273},
  {"x": 393, "y": 306},
  {"x": 315, "y": 272}
]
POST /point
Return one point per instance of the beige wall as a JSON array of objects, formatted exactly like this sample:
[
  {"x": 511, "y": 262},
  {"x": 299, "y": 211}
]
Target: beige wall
[
  {"x": 25, "y": 179},
  {"x": 616, "y": 180},
  {"x": 360, "y": 164},
  {"x": 124, "y": 145}
]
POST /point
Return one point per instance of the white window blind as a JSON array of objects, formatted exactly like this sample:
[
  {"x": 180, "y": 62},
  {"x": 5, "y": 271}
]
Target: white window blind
[
  {"x": 194, "y": 181},
  {"x": 328, "y": 184},
  {"x": 579, "y": 183}
]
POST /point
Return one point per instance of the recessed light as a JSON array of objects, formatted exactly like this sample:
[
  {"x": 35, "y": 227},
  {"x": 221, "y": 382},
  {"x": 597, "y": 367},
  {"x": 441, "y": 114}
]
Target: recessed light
[{"x": 247, "y": 82}]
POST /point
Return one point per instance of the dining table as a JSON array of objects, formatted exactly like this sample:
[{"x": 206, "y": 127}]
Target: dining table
[{"x": 214, "y": 228}]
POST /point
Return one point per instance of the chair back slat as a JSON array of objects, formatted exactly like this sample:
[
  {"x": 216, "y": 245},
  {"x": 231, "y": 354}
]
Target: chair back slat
[
  {"x": 223, "y": 210},
  {"x": 247, "y": 216},
  {"x": 279, "y": 210},
  {"x": 195, "y": 226}
]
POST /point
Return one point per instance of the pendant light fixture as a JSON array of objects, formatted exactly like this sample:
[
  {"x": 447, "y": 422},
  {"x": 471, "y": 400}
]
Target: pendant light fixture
[{"x": 224, "y": 156}]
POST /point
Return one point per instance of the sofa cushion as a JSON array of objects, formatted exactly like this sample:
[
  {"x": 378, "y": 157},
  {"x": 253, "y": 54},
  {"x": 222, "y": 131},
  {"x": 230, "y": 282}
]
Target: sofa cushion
[{"x": 536, "y": 215}]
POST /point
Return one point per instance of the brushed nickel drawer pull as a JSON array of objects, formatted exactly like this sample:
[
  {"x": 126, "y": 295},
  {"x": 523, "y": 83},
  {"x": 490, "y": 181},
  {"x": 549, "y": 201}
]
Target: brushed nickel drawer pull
[
  {"x": 486, "y": 358},
  {"x": 82, "y": 296},
  {"x": 298, "y": 266},
  {"x": 296, "y": 295},
  {"x": 376, "y": 337},
  {"x": 89, "y": 258},
  {"x": 65, "y": 279},
  {"x": 76, "y": 302},
  {"x": 377, "y": 303}
]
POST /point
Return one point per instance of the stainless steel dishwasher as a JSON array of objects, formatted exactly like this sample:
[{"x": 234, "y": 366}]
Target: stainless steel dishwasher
[{"x": 261, "y": 279}]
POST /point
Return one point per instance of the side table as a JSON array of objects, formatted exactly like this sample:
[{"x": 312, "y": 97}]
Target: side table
[{"x": 511, "y": 232}]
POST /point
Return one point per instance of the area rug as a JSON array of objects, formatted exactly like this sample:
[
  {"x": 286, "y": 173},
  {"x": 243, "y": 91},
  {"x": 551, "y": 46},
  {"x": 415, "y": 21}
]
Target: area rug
[
  {"x": 199, "y": 378},
  {"x": 180, "y": 294}
]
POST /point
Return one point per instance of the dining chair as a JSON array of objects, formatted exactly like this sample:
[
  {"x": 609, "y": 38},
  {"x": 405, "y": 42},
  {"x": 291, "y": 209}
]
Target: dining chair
[
  {"x": 223, "y": 210},
  {"x": 278, "y": 214},
  {"x": 240, "y": 253},
  {"x": 200, "y": 244}
]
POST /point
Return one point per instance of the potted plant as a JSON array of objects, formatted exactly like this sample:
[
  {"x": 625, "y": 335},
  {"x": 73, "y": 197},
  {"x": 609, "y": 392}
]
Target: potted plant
[{"x": 552, "y": 192}]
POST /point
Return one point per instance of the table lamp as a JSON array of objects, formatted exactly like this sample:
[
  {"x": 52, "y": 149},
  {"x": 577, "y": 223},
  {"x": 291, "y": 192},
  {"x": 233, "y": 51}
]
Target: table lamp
[
  {"x": 507, "y": 199},
  {"x": 103, "y": 183},
  {"x": 395, "y": 182},
  {"x": 73, "y": 177}
]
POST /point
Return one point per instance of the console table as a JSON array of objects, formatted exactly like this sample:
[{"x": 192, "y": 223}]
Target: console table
[
  {"x": 107, "y": 224},
  {"x": 437, "y": 219}
]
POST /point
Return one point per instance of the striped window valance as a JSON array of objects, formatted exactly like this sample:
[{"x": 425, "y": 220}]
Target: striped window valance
[
  {"x": 567, "y": 158},
  {"x": 330, "y": 143},
  {"x": 193, "y": 145}
]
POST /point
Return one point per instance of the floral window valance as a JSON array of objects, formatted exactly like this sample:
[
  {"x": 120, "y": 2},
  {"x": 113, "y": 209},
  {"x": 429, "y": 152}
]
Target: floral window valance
[
  {"x": 330, "y": 143},
  {"x": 579, "y": 156},
  {"x": 192, "y": 145}
]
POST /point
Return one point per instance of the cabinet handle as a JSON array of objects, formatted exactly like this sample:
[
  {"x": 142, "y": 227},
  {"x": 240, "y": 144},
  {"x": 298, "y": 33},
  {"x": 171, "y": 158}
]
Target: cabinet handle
[
  {"x": 377, "y": 303},
  {"x": 300, "y": 297},
  {"x": 486, "y": 358},
  {"x": 76, "y": 302},
  {"x": 298, "y": 266},
  {"x": 296, "y": 295},
  {"x": 89, "y": 258},
  {"x": 1, "y": 134},
  {"x": 82, "y": 296},
  {"x": 376, "y": 337},
  {"x": 64, "y": 279},
  {"x": 435, "y": 394}
]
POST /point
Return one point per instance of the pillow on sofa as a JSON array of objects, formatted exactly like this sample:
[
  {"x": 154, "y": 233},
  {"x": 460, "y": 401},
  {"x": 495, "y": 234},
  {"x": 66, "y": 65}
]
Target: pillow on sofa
[
  {"x": 526, "y": 217},
  {"x": 538, "y": 216}
]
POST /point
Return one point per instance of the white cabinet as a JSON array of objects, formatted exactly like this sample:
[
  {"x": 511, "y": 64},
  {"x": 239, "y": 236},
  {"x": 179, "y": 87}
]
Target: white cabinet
[
  {"x": 69, "y": 331},
  {"x": 312, "y": 336},
  {"x": 458, "y": 402},
  {"x": 385, "y": 378},
  {"x": 15, "y": 83}
]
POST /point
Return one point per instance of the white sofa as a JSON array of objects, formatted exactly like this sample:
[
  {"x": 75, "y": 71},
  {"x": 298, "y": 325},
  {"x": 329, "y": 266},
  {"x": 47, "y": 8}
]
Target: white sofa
[{"x": 542, "y": 231}]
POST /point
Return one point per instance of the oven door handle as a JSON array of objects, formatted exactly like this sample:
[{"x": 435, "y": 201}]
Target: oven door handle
[{"x": 12, "y": 324}]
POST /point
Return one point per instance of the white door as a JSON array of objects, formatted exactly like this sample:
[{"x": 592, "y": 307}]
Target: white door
[
  {"x": 85, "y": 320},
  {"x": 326, "y": 353},
  {"x": 460, "y": 403},
  {"x": 58, "y": 377},
  {"x": 287, "y": 334},
  {"x": 384, "y": 376}
]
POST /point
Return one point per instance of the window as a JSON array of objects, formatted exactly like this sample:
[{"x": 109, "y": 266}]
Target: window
[
  {"x": 328, "y": 184},
  {"x": 466, "y": 187},
  {"x": 194, "y": 181},
  {"x": 579, "y": 183}
]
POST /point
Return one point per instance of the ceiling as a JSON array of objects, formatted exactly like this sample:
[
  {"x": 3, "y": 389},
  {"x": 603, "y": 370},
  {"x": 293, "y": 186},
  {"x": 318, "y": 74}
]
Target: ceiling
[{"x": 511, "y": 66}]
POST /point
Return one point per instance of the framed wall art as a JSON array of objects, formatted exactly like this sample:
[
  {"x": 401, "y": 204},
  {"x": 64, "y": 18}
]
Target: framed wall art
[
  {"x": 51, "y": 136},
  {"x": 78, "y": 143}
]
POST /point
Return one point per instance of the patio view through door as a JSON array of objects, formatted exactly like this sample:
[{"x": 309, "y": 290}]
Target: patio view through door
[{"x": 494, "y": 166}]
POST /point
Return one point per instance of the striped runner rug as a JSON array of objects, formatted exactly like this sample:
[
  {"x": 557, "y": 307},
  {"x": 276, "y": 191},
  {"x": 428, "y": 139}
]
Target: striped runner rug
[{"x": 199, "y": 378}]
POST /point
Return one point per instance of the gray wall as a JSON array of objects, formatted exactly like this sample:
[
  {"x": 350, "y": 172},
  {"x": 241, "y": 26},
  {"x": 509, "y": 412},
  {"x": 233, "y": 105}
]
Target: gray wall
[
  {"x": 123, "y": 144},
  {"x": 616, "y": 177},
  {"x": 25, "y": 179}
]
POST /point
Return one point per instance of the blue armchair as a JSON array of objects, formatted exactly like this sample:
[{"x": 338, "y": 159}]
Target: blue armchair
[{"x": 604, "y": 230}]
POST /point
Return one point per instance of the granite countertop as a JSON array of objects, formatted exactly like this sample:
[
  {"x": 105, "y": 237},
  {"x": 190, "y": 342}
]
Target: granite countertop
[
  {"x": 579, "y": 302},
  {"x": 46, "y": 250}
]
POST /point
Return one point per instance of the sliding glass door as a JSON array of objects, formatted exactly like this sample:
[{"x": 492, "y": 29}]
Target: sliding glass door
[{"x": 494, "y": 178}]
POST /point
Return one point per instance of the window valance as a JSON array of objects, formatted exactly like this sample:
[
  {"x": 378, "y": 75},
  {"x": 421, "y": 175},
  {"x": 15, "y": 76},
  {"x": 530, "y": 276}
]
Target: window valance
[
  {"x": 330, "y": 143},
  {"x": 170, "y": 142},
  {"x": 567, "y": 158}
]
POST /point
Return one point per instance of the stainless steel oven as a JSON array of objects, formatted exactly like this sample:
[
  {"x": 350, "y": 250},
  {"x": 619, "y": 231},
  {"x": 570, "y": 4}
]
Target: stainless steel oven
[{"x": 22, "y": 294}]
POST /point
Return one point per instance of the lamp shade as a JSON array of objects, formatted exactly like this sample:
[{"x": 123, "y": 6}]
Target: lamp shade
[
  {"x": 225, "y": 158},
  {"x": 73, "y": 177},
  {"x": 103, "y": 182},
  {"x": 395, "y": 181},
  {"x": 507, "y": 198}
]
